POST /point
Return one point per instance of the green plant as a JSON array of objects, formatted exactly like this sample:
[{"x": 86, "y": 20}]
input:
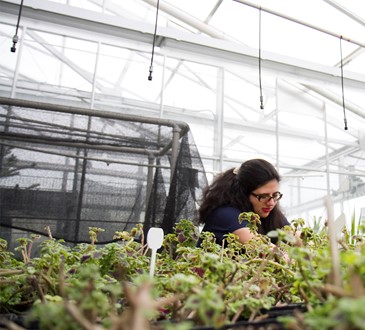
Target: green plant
[{"x": 105, "y": 287}]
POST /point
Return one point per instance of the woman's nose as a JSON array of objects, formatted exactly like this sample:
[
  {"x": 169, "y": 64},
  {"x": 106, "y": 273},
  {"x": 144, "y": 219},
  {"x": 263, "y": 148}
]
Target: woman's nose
[{"x": 271, "y": 202}]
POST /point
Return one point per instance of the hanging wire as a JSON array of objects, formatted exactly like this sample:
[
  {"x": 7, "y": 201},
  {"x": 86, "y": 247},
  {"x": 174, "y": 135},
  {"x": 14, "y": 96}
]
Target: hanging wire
[
  {"x": 343, "y": 93},
  {"x": 261, "y": 97},
  {"x": 16, "y": 38},
  {"x": 154, "y": 41}
]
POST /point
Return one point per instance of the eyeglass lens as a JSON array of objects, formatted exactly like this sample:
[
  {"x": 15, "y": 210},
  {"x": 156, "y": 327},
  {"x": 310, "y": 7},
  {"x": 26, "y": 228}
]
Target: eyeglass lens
[{"x": 267, "y": 197}]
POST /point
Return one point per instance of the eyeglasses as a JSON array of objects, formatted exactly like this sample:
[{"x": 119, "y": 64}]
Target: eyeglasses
[{"x": 267, "y": 197}]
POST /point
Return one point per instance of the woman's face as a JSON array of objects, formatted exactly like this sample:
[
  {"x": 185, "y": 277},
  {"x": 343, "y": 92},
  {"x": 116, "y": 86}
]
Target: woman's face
[{"x": 262, "y": 207}]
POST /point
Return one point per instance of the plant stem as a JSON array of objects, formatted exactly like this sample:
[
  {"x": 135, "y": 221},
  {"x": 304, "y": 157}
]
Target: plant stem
[
  {"x": 10, "y": 272},
  {"x": 274, "y": 263},
  {"x": 335, "y": 290},
  {"x": 48, "y": 229}
]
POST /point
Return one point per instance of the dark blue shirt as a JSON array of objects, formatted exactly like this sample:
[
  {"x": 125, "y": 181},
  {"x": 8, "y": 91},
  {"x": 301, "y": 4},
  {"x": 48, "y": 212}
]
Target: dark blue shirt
[{"x": 224, "y": 220}]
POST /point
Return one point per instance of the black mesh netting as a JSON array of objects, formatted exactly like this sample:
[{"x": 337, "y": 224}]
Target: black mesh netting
[{"x": 69, "y": 170}]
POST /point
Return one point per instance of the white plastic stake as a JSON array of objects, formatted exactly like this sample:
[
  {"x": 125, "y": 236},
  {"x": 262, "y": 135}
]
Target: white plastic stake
[
  {"x": 154, "y": 242},
  {"x": 333, "y": 242}
]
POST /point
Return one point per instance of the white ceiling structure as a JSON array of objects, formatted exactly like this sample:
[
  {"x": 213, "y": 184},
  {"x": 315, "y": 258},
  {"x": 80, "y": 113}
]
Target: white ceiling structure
[{"x": 275, "y": 79}]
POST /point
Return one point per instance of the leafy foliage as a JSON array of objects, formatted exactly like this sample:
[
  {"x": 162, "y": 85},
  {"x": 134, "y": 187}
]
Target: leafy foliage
[{"x": 109, "y": 287}]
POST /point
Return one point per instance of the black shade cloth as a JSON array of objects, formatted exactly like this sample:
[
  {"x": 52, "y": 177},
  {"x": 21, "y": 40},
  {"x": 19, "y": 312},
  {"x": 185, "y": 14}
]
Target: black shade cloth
[{"x": 73, "y": 171}]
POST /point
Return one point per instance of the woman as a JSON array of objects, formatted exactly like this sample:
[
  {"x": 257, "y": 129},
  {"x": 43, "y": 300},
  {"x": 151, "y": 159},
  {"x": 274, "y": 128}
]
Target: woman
[{"x": 253, "y": 187}]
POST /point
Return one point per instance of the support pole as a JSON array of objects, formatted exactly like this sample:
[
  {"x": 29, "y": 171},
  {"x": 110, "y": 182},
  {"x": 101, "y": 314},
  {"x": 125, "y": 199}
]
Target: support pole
[
  {"x": 175, "y": 149},
  {"x": 253, "y": 5},
  {"x": 151, "y": 161}
]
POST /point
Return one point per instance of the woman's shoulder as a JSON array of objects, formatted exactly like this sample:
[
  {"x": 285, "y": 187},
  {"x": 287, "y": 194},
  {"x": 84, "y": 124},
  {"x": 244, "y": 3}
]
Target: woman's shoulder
[
  {"x": 226, "y": 210},
  {"x": 285, "y": 221},
  {"x": 224, "y": 219}
]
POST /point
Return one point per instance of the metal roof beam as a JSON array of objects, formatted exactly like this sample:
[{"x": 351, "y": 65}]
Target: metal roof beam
[{"x": 178, "y": 44}]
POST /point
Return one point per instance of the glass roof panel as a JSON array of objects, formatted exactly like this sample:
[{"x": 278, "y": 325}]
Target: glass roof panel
[{"x": 206, "y": 72}]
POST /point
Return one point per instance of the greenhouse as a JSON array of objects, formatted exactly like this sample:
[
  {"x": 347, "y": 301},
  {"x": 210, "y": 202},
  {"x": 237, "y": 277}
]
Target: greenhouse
[
  {"x": 119, "y": 114},
  {"x": 97, "y": 55}
]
